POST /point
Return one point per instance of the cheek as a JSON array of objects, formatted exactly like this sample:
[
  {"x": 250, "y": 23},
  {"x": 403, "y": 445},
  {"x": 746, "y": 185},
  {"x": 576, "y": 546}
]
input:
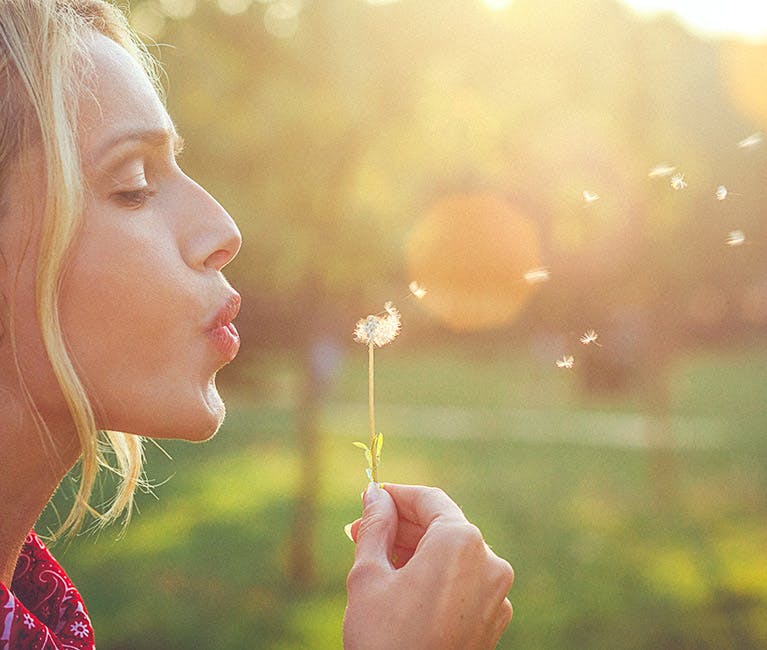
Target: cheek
[
  {"x": 131, "y": 315},
  {"x": 118, "y": 297},
  {"x": 125, "y": 315}
]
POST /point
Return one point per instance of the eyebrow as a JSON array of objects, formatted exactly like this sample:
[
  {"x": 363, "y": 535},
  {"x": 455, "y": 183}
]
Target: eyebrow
[{"x": 154, "y": 138}]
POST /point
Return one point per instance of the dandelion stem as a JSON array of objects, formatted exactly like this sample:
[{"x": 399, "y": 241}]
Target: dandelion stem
[{"x": 371, "y": 409}]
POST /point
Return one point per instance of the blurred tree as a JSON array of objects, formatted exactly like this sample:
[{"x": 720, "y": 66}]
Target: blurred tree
[{"x": 328, "y": 128}]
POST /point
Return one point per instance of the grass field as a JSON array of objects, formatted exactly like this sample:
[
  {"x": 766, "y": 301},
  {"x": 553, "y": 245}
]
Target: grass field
[{"x": 608, "y": 552}]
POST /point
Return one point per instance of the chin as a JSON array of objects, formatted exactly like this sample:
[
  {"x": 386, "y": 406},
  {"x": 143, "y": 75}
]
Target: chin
[
  {"x": 196, "y": 418},
  {"x": 202, "y": 422},
  {"x": 215, "y": 411}
]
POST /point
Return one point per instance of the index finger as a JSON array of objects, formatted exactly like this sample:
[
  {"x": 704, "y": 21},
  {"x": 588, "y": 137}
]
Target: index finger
[{"x": 423, "y": 505}]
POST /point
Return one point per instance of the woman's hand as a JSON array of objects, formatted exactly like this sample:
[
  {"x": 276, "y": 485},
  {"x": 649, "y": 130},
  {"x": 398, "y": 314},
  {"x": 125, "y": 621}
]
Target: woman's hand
[{"x": 423, "y": 577}]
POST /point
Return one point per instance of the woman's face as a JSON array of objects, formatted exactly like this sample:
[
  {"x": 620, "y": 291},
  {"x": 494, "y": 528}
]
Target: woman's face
[{"x": 145, "y": 309}]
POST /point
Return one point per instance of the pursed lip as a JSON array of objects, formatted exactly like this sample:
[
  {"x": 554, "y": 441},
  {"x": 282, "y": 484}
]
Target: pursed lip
[
  {"x": 226, "y": 314},
  {"x": 222, "y": 332}
]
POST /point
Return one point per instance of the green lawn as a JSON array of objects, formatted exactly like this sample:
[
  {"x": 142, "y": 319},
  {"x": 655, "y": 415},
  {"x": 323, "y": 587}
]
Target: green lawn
[{"x": 609, "y": 550}]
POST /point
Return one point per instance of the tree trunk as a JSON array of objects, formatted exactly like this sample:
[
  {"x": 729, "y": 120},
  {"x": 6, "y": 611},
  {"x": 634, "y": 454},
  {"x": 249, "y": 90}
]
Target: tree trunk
[{"x": 302, "y": 570}]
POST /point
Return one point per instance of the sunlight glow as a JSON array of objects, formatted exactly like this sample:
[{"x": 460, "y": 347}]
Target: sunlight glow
[
  {"x": 741, "y": 18},
  {"x": 498, "y": 5}
]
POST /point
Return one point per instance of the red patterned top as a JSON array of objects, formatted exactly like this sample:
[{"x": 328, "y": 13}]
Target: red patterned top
[{"x": 43, "y": 610}]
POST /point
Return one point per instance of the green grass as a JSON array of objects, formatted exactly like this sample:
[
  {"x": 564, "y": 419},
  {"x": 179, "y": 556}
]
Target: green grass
[{"x": 614, "y": 545}]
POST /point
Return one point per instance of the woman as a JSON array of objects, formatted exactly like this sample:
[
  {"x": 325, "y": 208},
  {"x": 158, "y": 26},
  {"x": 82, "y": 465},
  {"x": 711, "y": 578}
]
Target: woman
[{"x": 115, "y": 317}]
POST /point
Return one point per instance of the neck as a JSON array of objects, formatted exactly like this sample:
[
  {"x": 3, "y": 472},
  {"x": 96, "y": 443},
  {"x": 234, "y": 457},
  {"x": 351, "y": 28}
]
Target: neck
[{"x": 31, "y": 469}]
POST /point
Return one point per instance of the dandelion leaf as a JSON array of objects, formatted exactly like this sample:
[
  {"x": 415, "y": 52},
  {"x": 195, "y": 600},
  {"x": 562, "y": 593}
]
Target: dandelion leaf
[{"x": 378, "y": 446}]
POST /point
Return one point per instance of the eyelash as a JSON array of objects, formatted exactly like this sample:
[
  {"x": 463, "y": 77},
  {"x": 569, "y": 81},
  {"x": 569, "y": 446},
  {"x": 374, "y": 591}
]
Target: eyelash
[{"x": 134, "y": 198}]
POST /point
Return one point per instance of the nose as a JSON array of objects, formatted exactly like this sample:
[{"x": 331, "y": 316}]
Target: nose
[
  {"x": 228, "y": 246},
  {"x": 215, "y": 239}
]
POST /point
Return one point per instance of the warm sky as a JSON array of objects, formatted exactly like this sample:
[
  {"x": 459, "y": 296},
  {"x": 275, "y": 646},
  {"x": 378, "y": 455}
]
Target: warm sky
[
  {"x": 742, "y": 18},
  {"x": 745, "y": 18}
]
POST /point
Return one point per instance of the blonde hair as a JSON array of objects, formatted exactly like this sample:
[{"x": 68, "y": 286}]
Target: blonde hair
[{"x": 43, "y": 62}]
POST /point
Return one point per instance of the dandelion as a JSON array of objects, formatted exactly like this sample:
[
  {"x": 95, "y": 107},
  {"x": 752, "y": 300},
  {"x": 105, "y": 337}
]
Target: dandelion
[
  {"x": 565, "y": 362},
  {"x": 721, "y": 193},
  {"x": 736, "y": 238},
  {"x": 378, "y": 329},
  {"x": 753, "y": 140},
  {"x": 678, "y": 182},
  {"x": 375, "y": 330},
  {"x": 590, "y": 337},
  {"x": 417, "y": 290},
  {"x": 590, "y": 197},
  {"x": 661, "y": 171},
  {"x": 535, "y": 276}
]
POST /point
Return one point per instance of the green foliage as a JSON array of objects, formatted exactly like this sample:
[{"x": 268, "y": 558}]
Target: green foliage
[
  {"x": 559, "y": 487},
  {"x": 372, "y": 452}
]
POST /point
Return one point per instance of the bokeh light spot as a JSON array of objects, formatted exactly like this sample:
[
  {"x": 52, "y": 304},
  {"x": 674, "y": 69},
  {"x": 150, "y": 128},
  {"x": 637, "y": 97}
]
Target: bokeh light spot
[
  {"x": 178, "y": 9},
  {"x": 234, "y": 7},
  {"x": 472, "y": 252},
  {"x": 148, "y": 20},
  {"x": 281, "y": 18}
]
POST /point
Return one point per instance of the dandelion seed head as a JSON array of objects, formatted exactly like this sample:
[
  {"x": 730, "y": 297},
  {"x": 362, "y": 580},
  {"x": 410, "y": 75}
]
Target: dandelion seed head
[
  {"x": 565, "y": 362},
  {"x": 736, "y": 238},
  {"x": 589, "y": 337},
  {"x": 590, "y": 197},
  {"x": 721, "y": 193},
  {"x": 378, "y": 329},
  {"x": 753, "y": 140},
  {"x": 661, "y": 171},
  {"x": 417, "y": 290},
  {"x": 678, "y": 182},
  {"x": 534, "y": 276}
]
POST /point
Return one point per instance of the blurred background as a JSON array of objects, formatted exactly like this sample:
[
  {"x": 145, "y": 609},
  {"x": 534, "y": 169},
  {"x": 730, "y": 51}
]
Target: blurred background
[{"x": 542, "y": 168}]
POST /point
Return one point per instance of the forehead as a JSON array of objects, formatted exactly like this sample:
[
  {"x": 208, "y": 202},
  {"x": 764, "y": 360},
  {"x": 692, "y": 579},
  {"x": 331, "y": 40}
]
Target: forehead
[{"x": 119, "y": 99}]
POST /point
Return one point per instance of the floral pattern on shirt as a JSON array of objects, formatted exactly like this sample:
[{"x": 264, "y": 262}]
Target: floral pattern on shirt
[{"x": 42, "y": 610}]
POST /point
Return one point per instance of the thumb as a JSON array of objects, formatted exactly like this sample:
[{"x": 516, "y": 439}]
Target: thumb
[{"x": 378, "y": 527}]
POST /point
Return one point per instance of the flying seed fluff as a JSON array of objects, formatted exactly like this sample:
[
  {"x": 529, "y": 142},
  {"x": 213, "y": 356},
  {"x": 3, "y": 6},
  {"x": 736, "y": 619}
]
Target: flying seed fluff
[{"x": 44, "y": 63}]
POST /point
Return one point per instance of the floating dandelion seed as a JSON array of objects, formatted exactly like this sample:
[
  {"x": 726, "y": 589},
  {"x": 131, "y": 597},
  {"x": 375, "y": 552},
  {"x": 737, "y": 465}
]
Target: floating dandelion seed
[
  {"x": 535, "y": 276},
  {"x": 661, "y": 171},
  {"x": 753, "y": 140},
  {"x": 736, "y": 238},
  {"x": 565, "y": 362},
  {"x": 678, "y": 182},
  {"x": 721, "y": 193},
  {"x": 590, "y": 197},
  {"x": 417, "y": 290},
  {"x": 590, "y": 337}
]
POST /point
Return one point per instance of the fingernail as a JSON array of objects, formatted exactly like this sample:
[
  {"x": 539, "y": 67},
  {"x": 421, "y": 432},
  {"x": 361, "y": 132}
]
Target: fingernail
[
  {"x": 372, "y": 493},
  {"x": 348, "y": 531}
]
